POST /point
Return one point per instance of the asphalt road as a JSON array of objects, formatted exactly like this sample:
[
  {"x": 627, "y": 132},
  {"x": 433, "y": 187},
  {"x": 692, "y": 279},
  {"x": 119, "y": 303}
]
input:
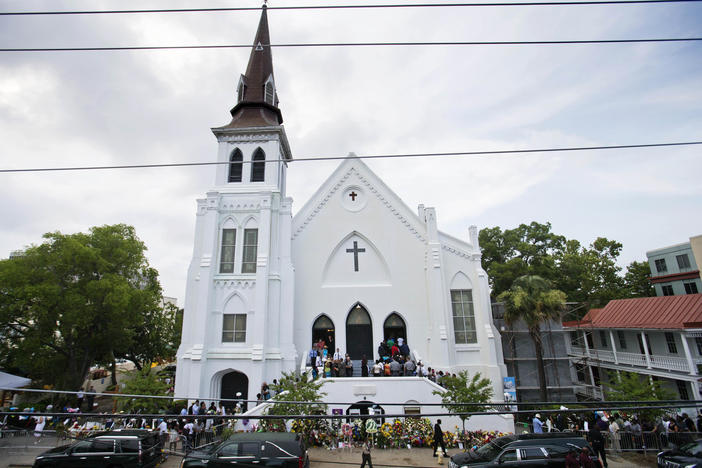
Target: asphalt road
[{"x": 22, "y": 454}]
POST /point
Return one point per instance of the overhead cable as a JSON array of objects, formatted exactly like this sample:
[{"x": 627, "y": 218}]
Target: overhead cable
[
  {"x": 586, "y": 404},
  {"x": 355, "y": 44},
  {"x": 370, "y": 156},
  {"x": 340, "y": 7}
]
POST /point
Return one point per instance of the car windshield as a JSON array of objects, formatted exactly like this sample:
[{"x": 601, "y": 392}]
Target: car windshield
[
  {"x": 693, "y": 449},
  {"x": 489, "y": 451}
]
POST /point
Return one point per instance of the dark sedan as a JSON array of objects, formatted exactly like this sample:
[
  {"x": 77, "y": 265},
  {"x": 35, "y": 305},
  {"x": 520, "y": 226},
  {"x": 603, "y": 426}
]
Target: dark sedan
[
  {"x": 685, "y": 456},
  {"x": 252, "y": 449}
]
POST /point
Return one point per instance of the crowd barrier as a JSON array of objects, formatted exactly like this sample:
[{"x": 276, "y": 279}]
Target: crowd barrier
[{"x": 651, "y": 441}]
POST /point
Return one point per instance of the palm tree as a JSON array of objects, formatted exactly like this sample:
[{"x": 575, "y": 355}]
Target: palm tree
[{"x": 531, "y": 299}]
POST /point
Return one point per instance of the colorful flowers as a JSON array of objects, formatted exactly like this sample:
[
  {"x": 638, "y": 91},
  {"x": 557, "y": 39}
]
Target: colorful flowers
[{"x": 410, "y": 432}]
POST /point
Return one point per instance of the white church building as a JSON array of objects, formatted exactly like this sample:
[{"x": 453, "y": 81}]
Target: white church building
[{"x": 352, "y": 267}]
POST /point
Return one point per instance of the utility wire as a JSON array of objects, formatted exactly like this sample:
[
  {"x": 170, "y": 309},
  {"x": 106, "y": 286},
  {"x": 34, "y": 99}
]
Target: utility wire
[
  {"x": 589, "y": 405},
  {"x": 355, "y": 44},
  {"x": 373, "y": 156},
  {"x": 688, "y": 404},
  {"x": 339, "y": 7}
]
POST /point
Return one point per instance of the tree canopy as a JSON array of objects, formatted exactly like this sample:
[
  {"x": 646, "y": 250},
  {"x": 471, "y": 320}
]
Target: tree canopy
[
  {"x": 463, "y": 392},
  {"x": 293, "y": 388},
  {"x": 630, "y": 386},
  {"x": 586, "y": 274},
  {"x": 80, "y": 299}
]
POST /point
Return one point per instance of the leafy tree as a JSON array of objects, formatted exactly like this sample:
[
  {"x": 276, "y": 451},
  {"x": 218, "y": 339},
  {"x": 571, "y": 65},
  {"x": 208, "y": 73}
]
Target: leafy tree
[
  {"x": 630, "y": 386},
  {"x": 590, "y": 275},
  {"x": 525, "y": 250},
  {"x": 461, "y": 391},
  {"x": 74, "y": 300},
  {"x": 638, "y": 280},
  {"x": 142, "y": 382},
  {"x": 532, "y": 300},
  {"x": 293, "y": 388},
  {"x": 586, "y": 274}
]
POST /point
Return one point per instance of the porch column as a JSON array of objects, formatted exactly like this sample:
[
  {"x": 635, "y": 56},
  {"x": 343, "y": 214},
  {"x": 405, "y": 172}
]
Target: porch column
[
  {"x": 614, "y": 346},
  {"x": 688, "y": 354},
  {"x": 587, "y": 347},
  {"x": 646, "y": 350}
]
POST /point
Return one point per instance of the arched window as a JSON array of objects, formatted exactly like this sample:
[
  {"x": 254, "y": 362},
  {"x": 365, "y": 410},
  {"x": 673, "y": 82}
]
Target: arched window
[
  {"x": 359, "y": 333},
  {"x": 258, "y": 166},
  {"x": 235, "y": 165},
  {"x": 323, "y": 329},
  {"x": 394, "y": 327}
]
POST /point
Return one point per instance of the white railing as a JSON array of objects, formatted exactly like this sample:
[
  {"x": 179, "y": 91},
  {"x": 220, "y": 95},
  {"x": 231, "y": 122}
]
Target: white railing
[
  {"x": 633, "y": 359},
  {"x": 590, "y": 391},
  {"x": 672, "y": 363}
]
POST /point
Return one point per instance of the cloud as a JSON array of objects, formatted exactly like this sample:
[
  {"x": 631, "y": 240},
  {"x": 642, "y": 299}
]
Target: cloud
[{"x": 99, "y": 108}]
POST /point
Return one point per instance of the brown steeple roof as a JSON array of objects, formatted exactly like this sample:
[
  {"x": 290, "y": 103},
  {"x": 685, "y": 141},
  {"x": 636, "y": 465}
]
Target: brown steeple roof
[{"x": 254, "y": 107}]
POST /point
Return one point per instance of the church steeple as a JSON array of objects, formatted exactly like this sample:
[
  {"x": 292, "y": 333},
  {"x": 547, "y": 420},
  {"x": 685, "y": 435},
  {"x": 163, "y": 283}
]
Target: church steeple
[{"x": 257, "y": 100}]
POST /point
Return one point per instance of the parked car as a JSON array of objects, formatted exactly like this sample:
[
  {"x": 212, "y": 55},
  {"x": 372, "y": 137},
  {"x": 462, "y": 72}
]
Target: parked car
[
  {"x": 129, "y": 448},
  {"x": 523, "y": 450},
  {"x": 279, "y": 449},
  {"x": 686, "y": 456}
]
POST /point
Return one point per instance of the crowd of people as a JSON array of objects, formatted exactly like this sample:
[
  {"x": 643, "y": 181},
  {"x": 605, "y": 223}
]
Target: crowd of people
[
  {"x": 394, "y": 359},
  {"x": 618, "y": 431}
]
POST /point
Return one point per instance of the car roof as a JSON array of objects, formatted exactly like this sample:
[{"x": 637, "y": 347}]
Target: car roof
[
  {"x": 548, "y": 436},
  {"x": 548, "y": 442},
  {"x": 125, "y": 434},
  {"x": 265, "y": 436}
]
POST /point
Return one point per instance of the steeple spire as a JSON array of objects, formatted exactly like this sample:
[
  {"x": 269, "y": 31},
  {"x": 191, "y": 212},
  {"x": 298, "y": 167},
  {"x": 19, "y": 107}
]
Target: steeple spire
[{"x": 257, "y": 100}]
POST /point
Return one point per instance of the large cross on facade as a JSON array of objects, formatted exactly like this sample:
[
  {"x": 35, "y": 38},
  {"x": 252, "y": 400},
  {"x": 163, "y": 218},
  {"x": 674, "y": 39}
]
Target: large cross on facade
[{"x": 355, "y": 252}]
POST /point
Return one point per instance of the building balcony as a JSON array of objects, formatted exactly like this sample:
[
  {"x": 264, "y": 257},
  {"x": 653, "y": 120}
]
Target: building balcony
[
  {"x": 669, "y": 363},
  {"x": 589, "y": 391}
]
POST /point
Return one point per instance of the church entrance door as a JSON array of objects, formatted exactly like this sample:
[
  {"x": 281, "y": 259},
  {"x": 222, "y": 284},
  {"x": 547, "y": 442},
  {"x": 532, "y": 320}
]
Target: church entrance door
[
  {"x": 323, "y": 329},
  {"x": 394, "y": 328},
  {"x": 359, "y": 333},
  {"x": 232, "y": 383}
]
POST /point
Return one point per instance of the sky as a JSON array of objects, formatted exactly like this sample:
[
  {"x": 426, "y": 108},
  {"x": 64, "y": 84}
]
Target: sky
[{"x": 62, "y": 109}]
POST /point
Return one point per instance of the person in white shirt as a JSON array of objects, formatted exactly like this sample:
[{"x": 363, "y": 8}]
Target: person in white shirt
[
  {"x": 162, "y": 433},
  {"x": 338, "y": 355}
]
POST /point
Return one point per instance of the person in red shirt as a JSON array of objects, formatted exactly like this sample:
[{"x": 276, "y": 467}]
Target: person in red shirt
[
  {"x": 585, "y": 460},
  {"x": 394, "y": 350},
  {"x": 571, "y": 460}
]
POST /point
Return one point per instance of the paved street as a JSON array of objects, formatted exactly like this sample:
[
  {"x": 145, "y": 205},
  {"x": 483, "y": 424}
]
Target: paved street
[{"x": 23, "y": 456}]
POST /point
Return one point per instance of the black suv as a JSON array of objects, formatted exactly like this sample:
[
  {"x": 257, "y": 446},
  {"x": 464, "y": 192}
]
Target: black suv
[
  {"x": 523, "y": 450},
  {"x": 687, "y": 455},
  {"x": 279, "y": 449},
  {"x": 128, "y": 448}
]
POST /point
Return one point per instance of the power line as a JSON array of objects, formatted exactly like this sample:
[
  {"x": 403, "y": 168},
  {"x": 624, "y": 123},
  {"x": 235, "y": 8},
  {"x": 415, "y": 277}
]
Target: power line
[
  {"x": 372, "y": 156},
  {"x": 356, "y": 44},
  {"x": 586, "y": 404},
  {"x": 339, "y": 7}
]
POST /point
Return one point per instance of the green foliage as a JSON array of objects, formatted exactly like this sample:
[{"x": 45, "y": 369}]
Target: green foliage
[
  {"x": 461, "y": 391},
  {"x": 586, "y": 274},
  {"x": 531, "y": 299},
  {"x": 525, "y": 250},
  {"x": 143, "y": 382},
  {"x": 631, "y": 386},
  {"x": 293, "y": 388},
  {"x": 76, "y": 300},
  {"x": 638, "y": 280}
]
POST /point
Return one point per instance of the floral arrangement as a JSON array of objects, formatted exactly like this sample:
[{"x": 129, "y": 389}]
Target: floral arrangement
[{"x": 407, "y": 433}]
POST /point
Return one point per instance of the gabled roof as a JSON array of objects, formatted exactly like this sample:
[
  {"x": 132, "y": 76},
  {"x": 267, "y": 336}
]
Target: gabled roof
[
  {"x": 348, "y": 166},
  {"x": 667, "y": 312}
]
